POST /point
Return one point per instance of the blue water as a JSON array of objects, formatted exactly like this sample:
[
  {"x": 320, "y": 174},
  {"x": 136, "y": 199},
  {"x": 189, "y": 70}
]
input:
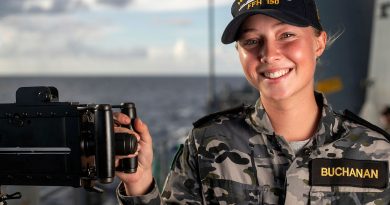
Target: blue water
[
  {"x": 168, "y": 105},
  {"x": 164, "y": 103}
]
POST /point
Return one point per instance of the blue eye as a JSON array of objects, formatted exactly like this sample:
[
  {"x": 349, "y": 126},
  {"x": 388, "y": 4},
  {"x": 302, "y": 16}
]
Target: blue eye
[
  {"x": 251, "y": 42},
  {"x": 286, "y": 35}
]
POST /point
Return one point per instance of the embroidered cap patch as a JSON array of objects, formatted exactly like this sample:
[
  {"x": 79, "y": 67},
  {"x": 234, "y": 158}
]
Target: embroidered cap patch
[{"x": 349, "y": 172}]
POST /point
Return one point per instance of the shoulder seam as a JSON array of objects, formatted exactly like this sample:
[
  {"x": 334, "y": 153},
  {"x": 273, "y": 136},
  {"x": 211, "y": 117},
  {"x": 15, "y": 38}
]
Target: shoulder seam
[
  {"x": 355, "y": 118},
  {"x": 179, "y": 152},
  {"x": 201, "y": 121}
]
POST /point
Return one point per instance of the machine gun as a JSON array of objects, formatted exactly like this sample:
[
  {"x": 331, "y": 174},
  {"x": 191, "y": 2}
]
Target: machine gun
[{"x": 45, "y": 142}]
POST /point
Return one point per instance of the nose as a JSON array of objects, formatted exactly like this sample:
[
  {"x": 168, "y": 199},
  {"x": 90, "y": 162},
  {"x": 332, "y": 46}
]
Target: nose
[{"x": 269, "y": 52}]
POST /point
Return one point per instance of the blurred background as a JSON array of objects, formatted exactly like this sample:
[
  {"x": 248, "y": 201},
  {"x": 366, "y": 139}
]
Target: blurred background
[{"x": 167, "y": 58}]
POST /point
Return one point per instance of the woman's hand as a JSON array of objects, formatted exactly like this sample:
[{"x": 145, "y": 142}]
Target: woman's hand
[{"x": 137, "y": 183}]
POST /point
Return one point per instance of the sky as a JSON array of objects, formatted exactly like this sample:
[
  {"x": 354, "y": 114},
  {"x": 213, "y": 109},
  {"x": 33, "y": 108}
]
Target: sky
[{"x": 112, "y": 37}]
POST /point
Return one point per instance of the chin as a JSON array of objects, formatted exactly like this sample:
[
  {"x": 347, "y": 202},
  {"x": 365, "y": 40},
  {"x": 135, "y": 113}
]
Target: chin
[{"x": 276, "y": 95}]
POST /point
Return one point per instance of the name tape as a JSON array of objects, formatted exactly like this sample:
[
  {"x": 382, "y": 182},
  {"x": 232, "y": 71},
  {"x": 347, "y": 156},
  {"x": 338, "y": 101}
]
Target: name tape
[{"x": 349, "y": 172}]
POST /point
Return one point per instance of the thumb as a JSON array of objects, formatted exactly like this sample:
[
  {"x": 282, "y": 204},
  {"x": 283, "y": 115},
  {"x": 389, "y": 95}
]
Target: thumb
[{"x": 143, "y": 130}]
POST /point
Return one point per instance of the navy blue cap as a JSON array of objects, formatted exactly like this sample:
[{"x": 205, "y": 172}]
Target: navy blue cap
[{"x": 301, "y": 13}]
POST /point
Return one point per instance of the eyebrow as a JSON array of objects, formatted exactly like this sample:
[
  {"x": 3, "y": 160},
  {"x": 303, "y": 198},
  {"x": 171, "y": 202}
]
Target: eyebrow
[{"x": 246, "y": 30}]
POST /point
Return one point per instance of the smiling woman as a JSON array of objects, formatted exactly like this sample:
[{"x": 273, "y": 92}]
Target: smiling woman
[
  {"x": 275, "y": 56},
  {"x": 290, "y": 147}
]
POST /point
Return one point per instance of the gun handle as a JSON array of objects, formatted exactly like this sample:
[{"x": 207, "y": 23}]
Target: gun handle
[
  {"x": 104, "y": 135},
  {"x": 129, "y": 165}
]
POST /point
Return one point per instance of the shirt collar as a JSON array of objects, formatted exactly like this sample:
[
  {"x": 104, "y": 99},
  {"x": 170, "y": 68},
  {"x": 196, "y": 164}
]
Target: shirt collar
[
  {"x": 328, "y": 126},
  {"x": 259, "y": 120}
]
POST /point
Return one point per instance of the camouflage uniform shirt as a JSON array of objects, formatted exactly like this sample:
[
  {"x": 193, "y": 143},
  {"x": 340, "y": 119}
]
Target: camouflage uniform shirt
[{"x": 235, "y": 157}]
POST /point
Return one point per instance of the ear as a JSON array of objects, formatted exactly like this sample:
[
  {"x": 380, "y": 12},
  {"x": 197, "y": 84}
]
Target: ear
[{"x": 321, "y": 43}]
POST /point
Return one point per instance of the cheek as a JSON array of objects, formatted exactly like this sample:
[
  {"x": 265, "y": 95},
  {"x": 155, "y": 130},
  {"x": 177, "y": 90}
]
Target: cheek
[
  {"x": 249, "y": 67},
  {"x": 244, "y": 57},
  {"x": 302, "y": 54},
  {"x": 244, "y": 61}
]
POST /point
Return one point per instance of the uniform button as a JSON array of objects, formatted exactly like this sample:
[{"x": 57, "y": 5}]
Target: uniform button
[
  {"x": 307, "y": 151},
  {"x": 277, "y": 145}
]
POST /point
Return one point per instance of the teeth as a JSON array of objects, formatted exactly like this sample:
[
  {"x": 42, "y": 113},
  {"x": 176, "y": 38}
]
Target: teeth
[{"x": 276, "y": 74}]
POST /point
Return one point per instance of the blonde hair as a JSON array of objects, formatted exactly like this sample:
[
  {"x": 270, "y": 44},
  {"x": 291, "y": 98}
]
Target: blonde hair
[{"x": 332, "y": 37}]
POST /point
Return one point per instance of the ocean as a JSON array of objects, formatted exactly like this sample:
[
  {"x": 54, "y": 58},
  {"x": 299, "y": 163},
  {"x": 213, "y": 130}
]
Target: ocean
[{"x": 168, "y": 105}]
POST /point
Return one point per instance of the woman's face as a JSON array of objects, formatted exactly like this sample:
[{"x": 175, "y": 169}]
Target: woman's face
[{"x": 279, "y": 59}]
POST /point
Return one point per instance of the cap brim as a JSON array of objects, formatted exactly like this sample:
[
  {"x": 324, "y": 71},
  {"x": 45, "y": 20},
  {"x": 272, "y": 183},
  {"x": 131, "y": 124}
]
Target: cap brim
[{"x": 230, "y": 33}]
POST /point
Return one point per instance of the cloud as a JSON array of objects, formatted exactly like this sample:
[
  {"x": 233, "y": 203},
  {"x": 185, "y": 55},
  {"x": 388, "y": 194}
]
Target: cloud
[
  {"x": 17, "y": 7},
  {"x": 40, "y": 42},
  {"x": 116, "y": 3},
  {"x": 10, "y": 7},
  {"x": 180, "y": 49},
  {"x": 70, "y": 53},
  {"x": 178, "y": 22},
  {"x": 34, "y": 41},
  {"x": 174, "y": 5}
]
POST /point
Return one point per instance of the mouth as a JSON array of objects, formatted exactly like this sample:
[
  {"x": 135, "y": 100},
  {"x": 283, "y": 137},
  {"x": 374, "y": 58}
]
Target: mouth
[{"x": 276, "y": 74}]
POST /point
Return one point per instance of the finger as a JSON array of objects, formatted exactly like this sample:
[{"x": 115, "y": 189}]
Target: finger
[
  {"x": 125, "y": 130},
  {"x": 121, "y": 118},
  {"x": 138, "y": 148},
  {"x": 143, "y": 131},
  {"x": 119, "y": 157}
]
